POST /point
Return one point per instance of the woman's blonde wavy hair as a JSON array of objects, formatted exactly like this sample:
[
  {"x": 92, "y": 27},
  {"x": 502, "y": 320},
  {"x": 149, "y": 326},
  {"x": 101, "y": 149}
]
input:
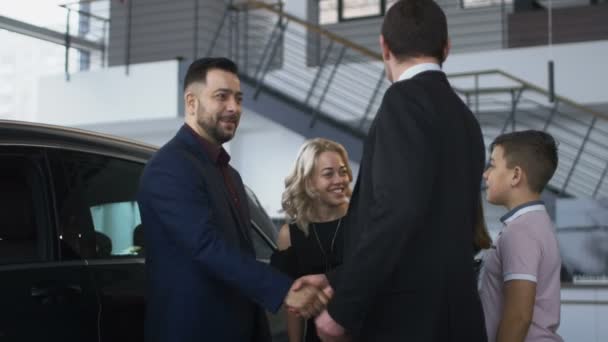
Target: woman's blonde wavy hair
[{"x": 298, "y": 196}]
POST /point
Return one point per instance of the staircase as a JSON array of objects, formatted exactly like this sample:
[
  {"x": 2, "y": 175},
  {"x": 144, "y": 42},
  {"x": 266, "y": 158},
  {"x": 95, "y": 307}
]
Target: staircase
[{"x": 339, "y": 84}]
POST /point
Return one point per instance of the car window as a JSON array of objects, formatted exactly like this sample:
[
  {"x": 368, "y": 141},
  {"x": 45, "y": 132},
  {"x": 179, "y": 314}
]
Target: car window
[
  {"x": 22, "y": 209},
  {"x": 120, "y": 225},
  {"x": 98, "y": 215}
]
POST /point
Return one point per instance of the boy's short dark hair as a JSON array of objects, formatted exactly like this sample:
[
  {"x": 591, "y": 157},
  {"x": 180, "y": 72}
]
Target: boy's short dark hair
[
  {"x": 534, "y": 151},
  {"x": 416, "y": 28},
  {"x": 197, "y": 71}
]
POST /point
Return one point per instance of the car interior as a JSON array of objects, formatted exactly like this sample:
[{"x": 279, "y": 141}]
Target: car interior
[{"x": 19, "y": 241}]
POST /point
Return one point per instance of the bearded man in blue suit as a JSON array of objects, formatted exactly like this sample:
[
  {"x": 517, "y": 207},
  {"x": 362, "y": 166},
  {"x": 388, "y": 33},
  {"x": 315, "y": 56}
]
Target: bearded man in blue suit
[{"x": 203, "y": 281}]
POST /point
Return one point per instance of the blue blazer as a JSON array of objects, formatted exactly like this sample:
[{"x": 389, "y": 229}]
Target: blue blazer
[{"x": 203, "y": 281}]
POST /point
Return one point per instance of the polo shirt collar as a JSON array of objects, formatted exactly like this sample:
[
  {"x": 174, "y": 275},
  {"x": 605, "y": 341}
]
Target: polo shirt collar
[{"x": 522, "y": 209}]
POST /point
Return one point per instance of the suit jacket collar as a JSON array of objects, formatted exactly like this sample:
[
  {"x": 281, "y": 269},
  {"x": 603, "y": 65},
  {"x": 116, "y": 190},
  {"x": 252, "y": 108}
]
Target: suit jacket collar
[
  {"x": 188, "y": 140},
  {"x": 216, "y": 153},
  {"x": 431, "y": 75},
  {"x": 417, "y": 69},
  {"x": 216, "y": 181}
]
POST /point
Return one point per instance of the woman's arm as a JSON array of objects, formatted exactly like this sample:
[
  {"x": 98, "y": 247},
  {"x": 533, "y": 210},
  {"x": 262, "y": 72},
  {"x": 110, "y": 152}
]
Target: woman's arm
[
  {"x": 284, "y": 239},
  {"x": 295, "y": 327},
  {"x": 295, "y": 324}
]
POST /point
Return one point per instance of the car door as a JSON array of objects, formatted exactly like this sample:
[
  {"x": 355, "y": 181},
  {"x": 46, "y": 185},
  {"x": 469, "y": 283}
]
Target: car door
[
  {"x": 263, "y": 231},
  {"x": 264, "y": 234},
  {"x": 42, "y": 298},
  {"x": 101, "y": 190}
]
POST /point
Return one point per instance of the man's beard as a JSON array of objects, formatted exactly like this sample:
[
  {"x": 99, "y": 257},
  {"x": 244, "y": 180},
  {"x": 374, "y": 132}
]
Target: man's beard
[{"x": 214, "y": 131}]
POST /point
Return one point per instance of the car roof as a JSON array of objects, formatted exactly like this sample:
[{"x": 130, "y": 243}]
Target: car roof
[{"x": 23, "y": 133}]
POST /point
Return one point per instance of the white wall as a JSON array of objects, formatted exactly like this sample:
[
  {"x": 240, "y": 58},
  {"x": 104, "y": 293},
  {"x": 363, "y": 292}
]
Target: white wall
[
  {"x": 264, "y": 152},
  {"x": 581, "y": 71},
  {"x": 299, "y": 8},
  {"x": 584, "y": 314},
  {"x": 108, "y": 95}
]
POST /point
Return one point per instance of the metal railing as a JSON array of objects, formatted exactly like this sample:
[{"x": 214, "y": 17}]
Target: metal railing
[
  {"x": 86, "y": 20},
  {"x": 505, "y": 103},
  {"x": 336, "y": 78},
  {"x": 304, "y": 62}
]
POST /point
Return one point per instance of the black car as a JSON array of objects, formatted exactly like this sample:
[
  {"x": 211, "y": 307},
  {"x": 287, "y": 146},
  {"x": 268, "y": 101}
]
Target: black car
[{"x": 71, "y": 252}]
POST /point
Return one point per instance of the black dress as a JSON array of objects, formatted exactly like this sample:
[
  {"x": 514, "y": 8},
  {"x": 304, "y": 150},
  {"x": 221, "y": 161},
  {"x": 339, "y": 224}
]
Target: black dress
[{"x": 315, "y": 253}]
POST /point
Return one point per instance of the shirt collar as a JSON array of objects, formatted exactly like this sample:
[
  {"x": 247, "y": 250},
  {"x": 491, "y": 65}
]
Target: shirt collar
[
  {"x": 522, "y": 209},
  {"x": 418, "y": 68},
  {"x": 217, "y": 153}
]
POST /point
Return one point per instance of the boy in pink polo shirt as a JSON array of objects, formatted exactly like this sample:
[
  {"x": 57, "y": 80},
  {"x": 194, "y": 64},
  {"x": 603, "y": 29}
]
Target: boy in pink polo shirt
[{"x": 520, "y": 283}]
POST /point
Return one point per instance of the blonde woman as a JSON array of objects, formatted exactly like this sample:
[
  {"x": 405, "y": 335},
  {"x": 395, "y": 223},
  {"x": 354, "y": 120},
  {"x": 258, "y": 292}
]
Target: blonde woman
[{"x": 316, "y": 196}]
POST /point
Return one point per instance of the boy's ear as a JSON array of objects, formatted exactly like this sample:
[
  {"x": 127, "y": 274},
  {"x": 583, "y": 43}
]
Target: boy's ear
[{"x": 518, "y": 176}]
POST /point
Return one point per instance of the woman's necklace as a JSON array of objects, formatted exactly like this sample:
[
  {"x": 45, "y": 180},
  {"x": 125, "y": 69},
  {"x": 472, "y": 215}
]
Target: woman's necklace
[{"x": 331, "y": 247}]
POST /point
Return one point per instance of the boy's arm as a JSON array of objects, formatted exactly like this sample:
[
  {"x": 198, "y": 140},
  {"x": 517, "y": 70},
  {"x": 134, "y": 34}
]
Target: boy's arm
[
  {"x": 517, "y": 312},
  {"x": 521, "y": 254}
]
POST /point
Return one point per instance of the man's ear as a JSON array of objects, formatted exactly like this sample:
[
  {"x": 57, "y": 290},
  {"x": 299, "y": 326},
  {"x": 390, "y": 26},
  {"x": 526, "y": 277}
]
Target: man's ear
[
  {"x": 386, "y": 52},
  {"x": 446, "y": 50},
  {"x": 191, "y": 102}
]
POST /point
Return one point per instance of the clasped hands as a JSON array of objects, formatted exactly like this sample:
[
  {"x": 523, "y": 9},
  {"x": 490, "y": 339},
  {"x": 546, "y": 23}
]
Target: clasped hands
[{"x": 308, "y": 297}]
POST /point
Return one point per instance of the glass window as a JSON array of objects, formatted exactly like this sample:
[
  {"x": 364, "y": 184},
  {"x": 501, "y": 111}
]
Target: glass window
[
  {"x": 333, "y": 11},
  {"x": 328, "y": 12},
  {"x": 352, "y": 9},
  {"x": 21, "y": 210},
  {"x": 98, "y": 215},
  {"x": 119, "y": 225},
  {"x": 482, "y": 3}
]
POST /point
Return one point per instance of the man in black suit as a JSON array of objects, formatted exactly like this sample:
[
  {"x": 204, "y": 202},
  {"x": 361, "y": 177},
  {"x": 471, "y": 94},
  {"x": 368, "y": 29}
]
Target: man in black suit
[{"x": 407, "y": 273}]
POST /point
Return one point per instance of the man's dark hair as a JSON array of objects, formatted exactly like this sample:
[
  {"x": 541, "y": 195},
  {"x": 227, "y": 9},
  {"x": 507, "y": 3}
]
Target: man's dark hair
[
  {"x": 416, "y": 28},
  {"x": 534, "y": 151},
  {"x": 197, "y": 71}
]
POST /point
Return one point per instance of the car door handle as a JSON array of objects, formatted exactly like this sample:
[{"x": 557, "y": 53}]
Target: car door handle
[{"x": 55, "y": 291}]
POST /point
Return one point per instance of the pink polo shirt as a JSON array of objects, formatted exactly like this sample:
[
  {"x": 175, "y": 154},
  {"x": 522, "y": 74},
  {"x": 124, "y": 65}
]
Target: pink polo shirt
[{"x": 526, "y": 249}]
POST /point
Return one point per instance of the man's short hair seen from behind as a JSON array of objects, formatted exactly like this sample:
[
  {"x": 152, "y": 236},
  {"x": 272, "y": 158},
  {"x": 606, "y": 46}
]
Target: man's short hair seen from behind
[{"x": 416, "y": 28}]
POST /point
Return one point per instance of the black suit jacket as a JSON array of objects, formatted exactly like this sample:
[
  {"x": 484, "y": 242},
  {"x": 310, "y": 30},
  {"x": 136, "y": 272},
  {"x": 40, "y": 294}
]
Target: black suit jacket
[
  {"x": 407, "y": 272},
  {"x": 204, "y": 283}
]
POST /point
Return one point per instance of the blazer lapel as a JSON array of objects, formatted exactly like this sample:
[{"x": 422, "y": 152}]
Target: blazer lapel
[
  {"x": 244, "y": 210},
  {"x": 217, "y": 190},
  {"x": 237, "y": 214}
]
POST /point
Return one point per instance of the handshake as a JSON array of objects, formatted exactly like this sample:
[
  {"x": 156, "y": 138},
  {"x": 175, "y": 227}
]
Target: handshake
[{"x": 309, "y": 295}]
